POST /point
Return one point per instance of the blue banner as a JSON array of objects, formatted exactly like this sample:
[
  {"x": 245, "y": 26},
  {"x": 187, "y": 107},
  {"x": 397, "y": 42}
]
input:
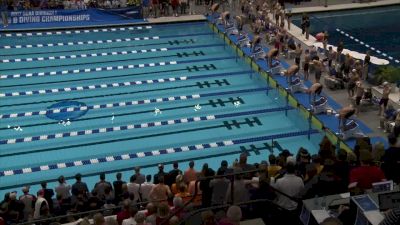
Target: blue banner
[{"x": 75, "y": 16}]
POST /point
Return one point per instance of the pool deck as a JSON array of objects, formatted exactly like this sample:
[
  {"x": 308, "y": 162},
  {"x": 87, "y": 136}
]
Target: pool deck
[{"x": 318, "y": 6}]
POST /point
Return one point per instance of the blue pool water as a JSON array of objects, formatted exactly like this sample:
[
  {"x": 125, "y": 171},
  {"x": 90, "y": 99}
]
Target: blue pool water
[
  {"x": 375, "y": 29},
  {"x": 110, "y": 100}
]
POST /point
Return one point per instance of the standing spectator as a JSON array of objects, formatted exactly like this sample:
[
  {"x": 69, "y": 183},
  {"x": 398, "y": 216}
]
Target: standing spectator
[
  {"x": 48, "y": 195},
  {"x": 219, "y": 186},
  {"x": 363, "y": 176},
  {"x": 79, "y": 187},
  {"x": 205, "y": 185},
  {"x": 101, "y": 186},
  {"x": 172, "y": 174},
  {"x": 160, "y": 192},
  {"x": 325, "y": 41},
  {"x": 331, "y": 56},
  {"x": 342, "y": 168},
  {"x": 174, "y": 5},
  {"x": 29, "y": 203},
  {"x": 291, "y": 185},
  {"x": 289, "y": 18},
  {"x": 63, "y": 188},
  {"x": 145, "y": 189},
  {"x": 160, "y": 173},
  {"x": 139, "y": 178},
  {"x": 118, "y": 187},
  {"x": 133, "y": 189},
  {"x": 339, "y": 50},
  {"x": 240, "y": 193},
  {"x": 391, "y": 160},
  {"x": 41, "y": 205},
  {"x": 245, "y": 166},
  {"x": 190, "y": 174}
]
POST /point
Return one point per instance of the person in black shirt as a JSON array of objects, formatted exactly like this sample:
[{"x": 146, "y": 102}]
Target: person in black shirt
[
  {"x": 172, "y": 174},
  {"x": 118, "y": 188},
  {"x": 48, "y": 195},
  {"x": 160, "y": 173},
  {"x": 391, "y": 160}
]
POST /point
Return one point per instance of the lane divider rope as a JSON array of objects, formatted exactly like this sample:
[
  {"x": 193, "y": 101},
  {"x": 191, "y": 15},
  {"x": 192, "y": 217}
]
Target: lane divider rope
[
  {"x": 48, "y": 33},
  {"x": 137, "y": 126},
  {"x": 113, "y": 85},
  {"x": 91, "y": 42},
  {"x": 128, "y": 103},
  {"x": 367, "y": 45},
  {"x": 106, "y": 68},
  {"x": 128, "y": 156},
  {"x": 88, "y": 55}
]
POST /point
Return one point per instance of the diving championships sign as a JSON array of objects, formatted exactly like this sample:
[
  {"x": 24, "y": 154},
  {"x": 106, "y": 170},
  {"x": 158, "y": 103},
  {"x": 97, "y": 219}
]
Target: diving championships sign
[{"x": 48, "y": 16}]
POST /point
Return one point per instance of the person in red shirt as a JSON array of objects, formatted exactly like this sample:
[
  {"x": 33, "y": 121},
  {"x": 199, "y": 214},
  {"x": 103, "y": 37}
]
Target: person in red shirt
[
  {"x": 363, "y": 176},
  {"x": 124, "y": 214}
]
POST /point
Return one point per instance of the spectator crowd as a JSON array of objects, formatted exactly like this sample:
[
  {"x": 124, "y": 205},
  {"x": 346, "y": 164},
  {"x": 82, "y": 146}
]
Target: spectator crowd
[{"x": 147, "y": 199}]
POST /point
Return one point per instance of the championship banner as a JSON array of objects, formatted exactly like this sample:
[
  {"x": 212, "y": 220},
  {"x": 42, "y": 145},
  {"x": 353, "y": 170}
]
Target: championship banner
[{"x": 75, "y": 16}]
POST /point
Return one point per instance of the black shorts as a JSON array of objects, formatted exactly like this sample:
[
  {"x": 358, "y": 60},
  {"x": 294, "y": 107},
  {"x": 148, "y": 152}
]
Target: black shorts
[
  {"x": 306, "y": 65},
  {"x": 384, "y": 101},
  {"x": 318, "y": 75},
  {"x": 358, "y": 100},
  {"x": 349, "y": 114}
]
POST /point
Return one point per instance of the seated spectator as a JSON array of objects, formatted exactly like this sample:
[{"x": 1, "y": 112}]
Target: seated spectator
[
  {"x": 363, "y": 176},
  {"x": 98, "y": 219},
  {"x": 162, "y": 213},
  {"x": 125, "y": 213},
  {"x": 178, "y": 182},
  {"x": 207, "y": 218},
  {"x": 391, "y": 160},
  {"x": 131, "y": 220},
  {"x": 273, "y": 168},
  {"x": 183, "y": 193},
  {"x": 140, "y": 219},
  {"x": 233, "y": 216},
  {"x": 151, "y": 213}
]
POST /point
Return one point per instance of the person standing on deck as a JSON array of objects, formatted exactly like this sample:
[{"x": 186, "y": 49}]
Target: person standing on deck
[
  {"x": 307, "y": 27},
  {"x": 289, "y": 18},
  {"x": 4, "y": 12},
  {"x": 307, "y": 59},
  {"x": 367, "y": 62},
  {"x": 385, "y": 98},
  {"x": 325, "y": 41}
]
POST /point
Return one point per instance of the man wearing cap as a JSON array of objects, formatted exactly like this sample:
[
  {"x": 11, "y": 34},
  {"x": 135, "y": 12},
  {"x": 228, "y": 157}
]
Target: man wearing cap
[
  {"x": 29, "y": 203},
  {"x": 385, "y": 98}
]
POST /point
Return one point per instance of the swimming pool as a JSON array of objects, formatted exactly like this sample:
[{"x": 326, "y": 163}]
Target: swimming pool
[
  {"x": 106, "y": 100},
  {"x": 375, "y": 29}
]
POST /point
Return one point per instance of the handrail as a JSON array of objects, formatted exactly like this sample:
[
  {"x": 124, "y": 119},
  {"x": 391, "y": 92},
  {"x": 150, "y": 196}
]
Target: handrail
[
  {"x": 227, "y": 205},
  {"x": 83, "y": 213},
  {"x": 165, "y": 222}
]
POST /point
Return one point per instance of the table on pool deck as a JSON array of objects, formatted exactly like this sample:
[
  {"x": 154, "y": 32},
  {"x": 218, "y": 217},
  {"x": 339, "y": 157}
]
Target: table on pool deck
[{"x": 314, "y": 213}]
